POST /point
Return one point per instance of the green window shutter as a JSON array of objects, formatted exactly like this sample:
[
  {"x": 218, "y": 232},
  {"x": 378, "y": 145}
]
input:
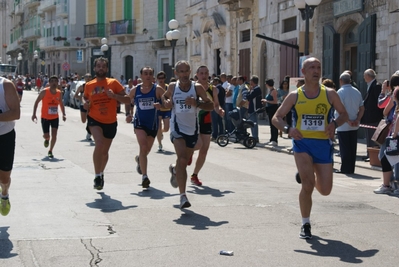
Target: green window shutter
[
  {"x": 160, "y": 18},
  {"x": 127, "y": 9},
  {"x": 171, "y": 9}
]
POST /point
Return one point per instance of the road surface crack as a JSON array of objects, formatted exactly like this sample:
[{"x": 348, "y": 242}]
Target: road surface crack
[{"x": 95, "y": 252}]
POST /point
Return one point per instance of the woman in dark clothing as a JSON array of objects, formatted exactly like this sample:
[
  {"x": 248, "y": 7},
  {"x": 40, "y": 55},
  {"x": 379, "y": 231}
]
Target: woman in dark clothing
[{"x": 271, "y": 108}]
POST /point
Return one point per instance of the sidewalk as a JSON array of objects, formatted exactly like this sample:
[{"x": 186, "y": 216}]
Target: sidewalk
[{"x": 284, "y": 143}]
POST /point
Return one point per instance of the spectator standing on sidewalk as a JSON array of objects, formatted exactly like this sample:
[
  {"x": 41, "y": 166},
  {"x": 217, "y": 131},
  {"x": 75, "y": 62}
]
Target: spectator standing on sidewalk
[
  {"x": 271, "y": 108},
  {"x": 228, "y": 106},
  {"x": 372, "y": 113},
  {"x": 347, "y": 132},
  {"x": 254, "y": 99},
  {"x": 391, "y": 111},
  {"x": 217, "y": 119},
  {"x": 9, "y": 112},
  {"x": 312, "y": 132}
]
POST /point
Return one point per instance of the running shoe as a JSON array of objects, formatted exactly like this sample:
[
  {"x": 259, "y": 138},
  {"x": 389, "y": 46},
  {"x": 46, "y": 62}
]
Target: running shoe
[
  {"x": 173, "y": 180},
  {"x": 195, "y": 180},
  {"x": 46, "y": 143},
  {"x": 305, "y": 231},
  {"x": 98, "y": 182},
  {"x": 396, "y": 192},
  {"x": 138, "y": 169},
  {"x": 383, "y": 189},
  {"x": 190, "y": 160},
  {"x": 184, "y": 202},
  {"x": 160, "y": 148},
  {"x": 88, "y": 137},
  {"x": 50, "y": 155},
  {"x": 146, "y": 182},
  {"x": 5, "y": 206},
  {"x": 298, "y": 178}
]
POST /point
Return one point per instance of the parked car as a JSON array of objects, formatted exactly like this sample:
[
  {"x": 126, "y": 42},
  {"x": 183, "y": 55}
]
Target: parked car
[{"x": 74, "y": 102}]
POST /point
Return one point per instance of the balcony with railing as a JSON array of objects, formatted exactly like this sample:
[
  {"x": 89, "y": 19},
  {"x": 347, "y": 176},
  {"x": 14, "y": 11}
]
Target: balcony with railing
[
  {"x": 46, "y": 5},
  {"x": 95, "y": 31},
  {"x": 47, "y": 43},
  {"x": 19, "y": 9},
  {"x": 126, "y": 26},
  {"x": 32, "y": 33},
  {"x": 32, "y": 3},
  {"x": 62, "y": 10}
]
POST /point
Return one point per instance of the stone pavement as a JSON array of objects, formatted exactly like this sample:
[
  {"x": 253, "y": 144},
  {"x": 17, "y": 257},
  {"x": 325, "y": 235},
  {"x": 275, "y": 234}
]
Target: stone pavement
[{"x": 285, "y": 143}]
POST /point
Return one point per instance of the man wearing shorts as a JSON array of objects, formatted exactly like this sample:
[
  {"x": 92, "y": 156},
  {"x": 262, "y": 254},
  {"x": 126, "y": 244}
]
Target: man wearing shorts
[
  {"x": 164, "y": 113},
  {"x": 313, "y": 130},
  {"x": 102, "y": 95},
  {"x": 205, "y": 123},
  {"x": 146, "y": 98},
  {"x": 83, "y": 112},
  {"x": 51, "y": 98},
  {"x": 9, "y": 112},
  {"x": 183, "y": 98},
  {"x": 20, "y": 87}
]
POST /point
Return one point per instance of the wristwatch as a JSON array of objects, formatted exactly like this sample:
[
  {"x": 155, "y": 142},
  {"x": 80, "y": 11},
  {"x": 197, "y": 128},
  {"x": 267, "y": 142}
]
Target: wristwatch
[{"x": 287, "y": 129}]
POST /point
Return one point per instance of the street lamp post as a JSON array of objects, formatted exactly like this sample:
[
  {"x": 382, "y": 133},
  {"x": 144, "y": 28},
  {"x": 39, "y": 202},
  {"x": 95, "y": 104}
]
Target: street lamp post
[
  {"x": 172, "y": 36},
  {"x": 9, "y": 59},
  {"x": 35, "y": 56},
  {"x": 306, "y": 7},
  {"x": 104, "y": 47},
  {"x": 19, "y": 58}
]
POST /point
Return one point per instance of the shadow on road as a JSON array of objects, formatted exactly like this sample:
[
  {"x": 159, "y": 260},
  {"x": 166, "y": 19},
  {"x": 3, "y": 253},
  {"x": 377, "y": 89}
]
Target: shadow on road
[
  {"x": 206, "y": 190},
  {"x": 333, "y": 248},
  {"x": 6, "y": 245},
  {"x": 107, "y": 204},
  {"x": 198, "y": 221},
  {"x": 153, "y": 193}
]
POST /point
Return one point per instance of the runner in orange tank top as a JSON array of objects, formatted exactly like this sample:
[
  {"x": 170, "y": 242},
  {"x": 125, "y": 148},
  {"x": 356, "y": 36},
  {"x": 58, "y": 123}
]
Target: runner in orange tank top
[
  {"x": 101, "y": 96},
  {"x": 51, "y": 98}
]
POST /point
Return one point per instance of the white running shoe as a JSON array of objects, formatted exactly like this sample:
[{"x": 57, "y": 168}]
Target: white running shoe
[
  {"x": 383, "y": 189},
  {"x": 184, "y": 203}
]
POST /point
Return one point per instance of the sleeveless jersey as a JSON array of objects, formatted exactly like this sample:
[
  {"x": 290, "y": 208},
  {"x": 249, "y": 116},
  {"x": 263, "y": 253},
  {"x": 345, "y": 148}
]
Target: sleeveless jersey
[
  {"x": 312, "y": 115},
  {"x": 184, "y": 117},
  {"x": 146, "y": 113},
  {"x": 5, "y": 126},
  {"x": 165, "y": 109},
  {"x": 50, "y": 104},
  {"x": 205, "y": 116}
]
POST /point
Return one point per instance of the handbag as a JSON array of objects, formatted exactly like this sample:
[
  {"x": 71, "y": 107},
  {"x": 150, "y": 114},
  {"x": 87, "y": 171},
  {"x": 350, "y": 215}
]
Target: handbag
[
  {"x": 392, "y": 147},
  {"x": 381, "y": 132}
]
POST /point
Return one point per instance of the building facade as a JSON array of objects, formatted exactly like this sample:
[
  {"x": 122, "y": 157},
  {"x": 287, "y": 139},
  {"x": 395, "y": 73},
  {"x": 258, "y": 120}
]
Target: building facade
[
  {"x": 239, "y": 37},
  {"x": 47, "y": 36}
]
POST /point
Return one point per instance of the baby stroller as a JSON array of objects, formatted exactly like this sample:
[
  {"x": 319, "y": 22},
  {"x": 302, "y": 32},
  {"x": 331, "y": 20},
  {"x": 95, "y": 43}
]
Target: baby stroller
[{"x": 239, "y": 134}]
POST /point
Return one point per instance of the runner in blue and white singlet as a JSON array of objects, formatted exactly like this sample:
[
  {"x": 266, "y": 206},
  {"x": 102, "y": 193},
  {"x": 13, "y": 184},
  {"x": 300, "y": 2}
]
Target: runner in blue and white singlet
[{"x": 184, "y": 118}]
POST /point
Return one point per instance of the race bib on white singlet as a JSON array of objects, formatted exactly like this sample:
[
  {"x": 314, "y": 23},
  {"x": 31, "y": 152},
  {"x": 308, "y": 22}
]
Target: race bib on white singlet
[
  {"x": 182, "y": 107},
  {"x": 146, "y": 103},
  {"x": 52, "y": 110},
  {"x": 313, "y": 122}
]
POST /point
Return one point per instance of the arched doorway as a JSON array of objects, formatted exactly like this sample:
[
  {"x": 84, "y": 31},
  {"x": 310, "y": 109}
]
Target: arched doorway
[
  {"x": 128, "y": 67},
  {"x": 350, "y": 43}
]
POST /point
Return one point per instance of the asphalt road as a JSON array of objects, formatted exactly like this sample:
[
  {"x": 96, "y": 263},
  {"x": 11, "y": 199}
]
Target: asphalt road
[{"x": 248, "y": 204}]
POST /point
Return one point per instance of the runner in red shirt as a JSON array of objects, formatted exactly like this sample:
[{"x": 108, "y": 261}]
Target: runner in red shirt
[{"x": 20, "y": 87}]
